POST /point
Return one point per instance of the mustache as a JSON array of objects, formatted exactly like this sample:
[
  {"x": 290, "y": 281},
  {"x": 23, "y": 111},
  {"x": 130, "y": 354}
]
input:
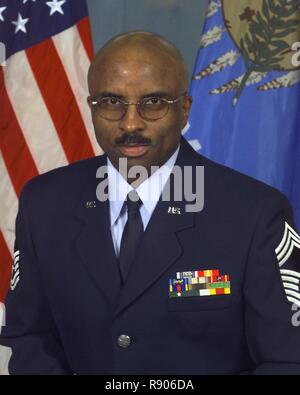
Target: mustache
[{"x": 136, "y": 139}]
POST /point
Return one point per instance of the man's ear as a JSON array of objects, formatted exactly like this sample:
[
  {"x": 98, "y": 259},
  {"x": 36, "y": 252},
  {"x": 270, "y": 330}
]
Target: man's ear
[
  {"x": 88, "y": 99},
  {"x": 186, "y": 106}
]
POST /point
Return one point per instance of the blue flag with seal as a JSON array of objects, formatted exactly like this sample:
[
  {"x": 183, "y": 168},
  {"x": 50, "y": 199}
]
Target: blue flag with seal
[{"x": 246, "y": 91}]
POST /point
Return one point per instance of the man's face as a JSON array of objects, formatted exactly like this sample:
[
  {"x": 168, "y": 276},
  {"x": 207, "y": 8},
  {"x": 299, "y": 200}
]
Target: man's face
[{"x": 132, "y": 76}]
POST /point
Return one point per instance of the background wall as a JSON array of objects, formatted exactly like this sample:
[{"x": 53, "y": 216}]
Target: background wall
[{"x": 180, "y": 21}]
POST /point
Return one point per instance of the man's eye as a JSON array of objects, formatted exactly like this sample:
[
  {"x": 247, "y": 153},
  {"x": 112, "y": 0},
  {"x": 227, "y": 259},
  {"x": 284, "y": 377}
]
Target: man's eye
[
  {"x": 153, "y": 101},
  {"x": 111, "y": 101}
]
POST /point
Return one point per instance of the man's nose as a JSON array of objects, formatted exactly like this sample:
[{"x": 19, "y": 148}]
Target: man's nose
[{"x": 132, "y": 121}]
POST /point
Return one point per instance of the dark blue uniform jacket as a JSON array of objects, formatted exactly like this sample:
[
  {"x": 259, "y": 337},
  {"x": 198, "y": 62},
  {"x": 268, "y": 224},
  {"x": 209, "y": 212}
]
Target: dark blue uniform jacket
[{"x": 66, "y": 308}]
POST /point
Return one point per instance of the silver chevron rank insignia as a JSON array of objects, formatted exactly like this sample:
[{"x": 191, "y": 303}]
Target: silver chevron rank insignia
[
  {"x": 15, "y": 276},
  {"x": 285, "y": 253}
]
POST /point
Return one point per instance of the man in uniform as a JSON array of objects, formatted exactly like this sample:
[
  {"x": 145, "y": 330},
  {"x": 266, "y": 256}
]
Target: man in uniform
[{"x": 140, "y": 284}]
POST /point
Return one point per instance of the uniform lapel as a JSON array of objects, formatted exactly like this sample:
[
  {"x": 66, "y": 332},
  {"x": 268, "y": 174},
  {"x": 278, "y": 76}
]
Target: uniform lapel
[
  {"x": 160, "y": 247},
  {"x": 94, "y": 242}
]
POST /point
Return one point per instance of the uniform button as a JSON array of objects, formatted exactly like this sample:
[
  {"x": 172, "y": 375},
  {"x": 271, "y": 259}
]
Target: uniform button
[{"x": 124, "y": 341}]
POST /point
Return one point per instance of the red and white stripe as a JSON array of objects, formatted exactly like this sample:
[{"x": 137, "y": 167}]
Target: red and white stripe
[{"x": 45, "y": 121}]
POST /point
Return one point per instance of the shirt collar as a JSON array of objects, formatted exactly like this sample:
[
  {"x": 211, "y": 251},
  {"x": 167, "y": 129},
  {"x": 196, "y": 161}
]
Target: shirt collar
[{"x": 149, "y": 190}]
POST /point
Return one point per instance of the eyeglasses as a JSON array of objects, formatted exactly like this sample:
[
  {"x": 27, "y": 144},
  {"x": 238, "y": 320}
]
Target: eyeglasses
[{"x": 150, "y": 108}]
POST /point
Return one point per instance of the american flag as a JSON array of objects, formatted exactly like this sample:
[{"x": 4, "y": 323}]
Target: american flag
[{"x": 44, "y": 119}]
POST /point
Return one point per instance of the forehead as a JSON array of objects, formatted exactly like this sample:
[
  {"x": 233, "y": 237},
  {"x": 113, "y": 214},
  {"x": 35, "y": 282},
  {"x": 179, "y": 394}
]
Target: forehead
[{"x": 135, "y": 73}]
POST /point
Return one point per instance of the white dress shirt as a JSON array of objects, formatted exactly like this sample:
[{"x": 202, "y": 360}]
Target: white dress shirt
[{"x": 149, "y": 192}]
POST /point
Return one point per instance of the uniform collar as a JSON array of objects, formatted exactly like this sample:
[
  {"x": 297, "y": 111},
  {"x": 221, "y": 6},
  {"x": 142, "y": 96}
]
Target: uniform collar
[{"x": 149, "y": 191}]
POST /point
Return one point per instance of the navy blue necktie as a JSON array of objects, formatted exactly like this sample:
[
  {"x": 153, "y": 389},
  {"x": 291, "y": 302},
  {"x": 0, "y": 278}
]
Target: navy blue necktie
[{"x": 132, "y": 233}]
